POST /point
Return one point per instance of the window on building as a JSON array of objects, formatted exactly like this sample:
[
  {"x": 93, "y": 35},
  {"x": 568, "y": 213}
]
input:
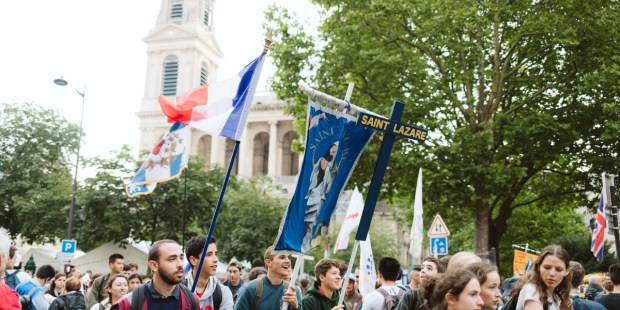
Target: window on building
[
  {"x": 261, "y": 154},
  {"x": 204, "y": 149},
  {"x": 176, "y": 9},
  {"x": 204, "y": 74},
  {"x": 171, "y": 71},
  {"x": 290, "y": 159},
  {"x": 207, "y": 12},
  {"x": 230, "y": 146}
]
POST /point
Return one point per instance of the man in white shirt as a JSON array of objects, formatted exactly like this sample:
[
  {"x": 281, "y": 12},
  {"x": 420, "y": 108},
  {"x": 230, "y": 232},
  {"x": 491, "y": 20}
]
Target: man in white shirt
[{"x": 388, "y": 294}]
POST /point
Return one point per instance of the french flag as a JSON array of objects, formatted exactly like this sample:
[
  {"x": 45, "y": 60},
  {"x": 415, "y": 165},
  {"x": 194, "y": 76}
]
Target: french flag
[
  {"x": 598, "y": 234},
  {"x": 220, "y": 108}
]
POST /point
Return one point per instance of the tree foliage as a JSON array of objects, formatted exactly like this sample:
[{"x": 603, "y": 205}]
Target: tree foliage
[
  {"x": 520, "y": 97},
  {"x": 35, "y": 177}
]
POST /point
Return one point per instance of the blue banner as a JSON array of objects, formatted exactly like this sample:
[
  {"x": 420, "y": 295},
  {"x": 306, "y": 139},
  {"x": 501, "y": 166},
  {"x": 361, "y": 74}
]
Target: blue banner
[{"x": 334, "y": 142}]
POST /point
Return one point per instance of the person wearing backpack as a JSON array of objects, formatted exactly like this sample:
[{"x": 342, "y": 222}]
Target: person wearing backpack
[
  {"x": 9, "y": 300},
  {"x": 578, "y": 272},
  {"x": 270, "y": 291},
  {"x": 14, "y": 277},
  {"x": 211, "y": 294},
  {"x": 324, "y": 294},
  {"x": 389, "y": 294},
  {"x": 73, "y": 299},
  {"x": 165, "y": 291},
  {"x": 97, "y": 292},
  {"x": 31, "y": 293}
]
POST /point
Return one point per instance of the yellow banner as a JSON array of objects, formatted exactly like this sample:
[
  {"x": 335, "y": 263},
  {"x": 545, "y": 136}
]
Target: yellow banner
[{"x": 520, "y": 261}]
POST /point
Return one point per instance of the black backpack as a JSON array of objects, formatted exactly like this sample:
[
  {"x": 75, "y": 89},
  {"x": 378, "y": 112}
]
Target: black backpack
[
  {"x": 138, "y": 297},
  {"x": 391, "y": 301}
]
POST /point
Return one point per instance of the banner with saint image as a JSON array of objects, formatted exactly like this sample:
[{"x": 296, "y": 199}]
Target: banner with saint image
[{"x": 333, "y": 145}]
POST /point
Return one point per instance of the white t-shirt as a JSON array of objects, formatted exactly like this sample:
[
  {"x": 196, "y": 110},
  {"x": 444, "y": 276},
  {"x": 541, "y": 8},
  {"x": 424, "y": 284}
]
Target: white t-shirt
[
  {"x": 375, "y": 300},
  {"x": 528, "y": 292}
]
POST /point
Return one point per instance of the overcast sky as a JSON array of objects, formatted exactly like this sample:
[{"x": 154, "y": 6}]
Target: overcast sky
[{"x": 98, "y": 44}]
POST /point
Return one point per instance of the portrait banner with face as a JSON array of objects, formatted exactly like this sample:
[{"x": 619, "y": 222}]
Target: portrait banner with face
[{"x": 334, "y": 143}]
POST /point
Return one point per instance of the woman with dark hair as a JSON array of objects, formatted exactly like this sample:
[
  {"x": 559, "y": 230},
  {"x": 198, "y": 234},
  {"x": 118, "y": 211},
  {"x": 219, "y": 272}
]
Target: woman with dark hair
[
  {"x": 57, "y": 287},
  {"x": 547, "y": 284},
  {"x": 456, "y": 290},
  {"x": 489, "y": 284}
]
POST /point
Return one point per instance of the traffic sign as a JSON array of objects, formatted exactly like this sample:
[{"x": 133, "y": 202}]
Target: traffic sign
[
  {"x": 439, "y": 245},
  {"x": 67, "y": 250},
  {"x": 438, "y": 228}
]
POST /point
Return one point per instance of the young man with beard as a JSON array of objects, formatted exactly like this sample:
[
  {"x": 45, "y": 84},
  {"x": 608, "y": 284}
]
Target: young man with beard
[
  {"x": 324, "y": 294},
  {"x": 270, "y": 291},
  {"x": 97, "y": 292},
  {"x": 164, "y": 292},
  {"x": 212, "y": 295}
]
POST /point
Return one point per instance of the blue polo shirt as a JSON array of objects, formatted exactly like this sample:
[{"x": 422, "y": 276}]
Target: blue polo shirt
[{"x": 157, "y": 301}]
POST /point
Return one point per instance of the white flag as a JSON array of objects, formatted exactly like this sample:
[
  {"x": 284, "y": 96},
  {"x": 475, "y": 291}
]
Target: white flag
[
  {"x": 368, "y": 274},
  {"x": 417, "y": 233},
  {"x": 351, "y": 220}
]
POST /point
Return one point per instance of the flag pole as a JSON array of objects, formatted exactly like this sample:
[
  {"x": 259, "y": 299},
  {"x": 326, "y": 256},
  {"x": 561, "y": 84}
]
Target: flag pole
[
  {"x": 343, "y": 289},
  {"x": 217, "y": 211},
  {"x": 298, "y": 263},
  {"x": 267, "y": 44}
]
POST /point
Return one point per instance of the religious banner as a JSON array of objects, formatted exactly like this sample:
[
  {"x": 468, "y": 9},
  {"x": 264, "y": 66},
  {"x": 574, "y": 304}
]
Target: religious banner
[{"x": 333, "y": 145}]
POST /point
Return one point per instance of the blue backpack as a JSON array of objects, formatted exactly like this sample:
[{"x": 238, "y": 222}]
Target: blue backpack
[{"x": 27, "y": 291}]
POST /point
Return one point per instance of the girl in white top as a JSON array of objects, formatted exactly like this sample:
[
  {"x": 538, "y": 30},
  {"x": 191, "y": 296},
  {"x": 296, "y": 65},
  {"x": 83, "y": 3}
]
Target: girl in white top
[
  {"x": 116, "y": 288},
  {"x": 547, "y": 284}
]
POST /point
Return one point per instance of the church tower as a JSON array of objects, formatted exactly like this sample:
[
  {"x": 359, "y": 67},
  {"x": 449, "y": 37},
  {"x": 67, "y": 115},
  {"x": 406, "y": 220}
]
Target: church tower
[{"x": 182, "y": 54}]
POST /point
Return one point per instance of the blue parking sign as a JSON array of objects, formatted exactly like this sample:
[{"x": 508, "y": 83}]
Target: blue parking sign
[
  {"x": 68, "y": 246},
  {"x": 439, "y": 245}
]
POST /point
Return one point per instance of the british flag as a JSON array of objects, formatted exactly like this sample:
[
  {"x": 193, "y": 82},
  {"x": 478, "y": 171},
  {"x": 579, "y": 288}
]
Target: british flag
[{"x": 598, "y": 234}]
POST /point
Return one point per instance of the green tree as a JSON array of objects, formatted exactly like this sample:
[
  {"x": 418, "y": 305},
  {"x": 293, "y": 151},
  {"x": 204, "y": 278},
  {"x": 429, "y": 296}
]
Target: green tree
[
  {"x": 520, "y": 97},
  {"x": 174, "y": 208},
  {"x": 35, "y": 178},
  {"x": 249, "y": 223}
]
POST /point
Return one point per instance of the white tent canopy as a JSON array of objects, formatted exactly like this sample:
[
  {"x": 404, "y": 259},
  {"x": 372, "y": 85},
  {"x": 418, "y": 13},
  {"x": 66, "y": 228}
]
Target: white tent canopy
[{"x": 97, "y": 259}]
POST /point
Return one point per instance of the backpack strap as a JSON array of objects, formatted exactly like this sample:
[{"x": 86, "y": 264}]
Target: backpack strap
[
  {"x": 217, "y": 296},
  {"x": 257, "y": 293},
  {"x": 137, "y": 297},
  {"x": 190, "y": 296}
]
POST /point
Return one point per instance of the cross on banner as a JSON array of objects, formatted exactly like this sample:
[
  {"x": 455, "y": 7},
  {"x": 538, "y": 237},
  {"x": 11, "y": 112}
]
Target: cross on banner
[{"x": 391, "y": 127}]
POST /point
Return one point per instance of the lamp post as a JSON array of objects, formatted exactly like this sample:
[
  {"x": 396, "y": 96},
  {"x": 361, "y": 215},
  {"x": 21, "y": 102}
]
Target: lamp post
[{"x": 62, "y": 82}]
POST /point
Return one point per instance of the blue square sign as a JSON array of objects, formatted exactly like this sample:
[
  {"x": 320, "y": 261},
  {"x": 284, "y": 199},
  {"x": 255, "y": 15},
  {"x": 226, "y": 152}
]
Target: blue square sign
[
  {"x": 68, "y": 246},
  {"x": 439, "y": 245}
]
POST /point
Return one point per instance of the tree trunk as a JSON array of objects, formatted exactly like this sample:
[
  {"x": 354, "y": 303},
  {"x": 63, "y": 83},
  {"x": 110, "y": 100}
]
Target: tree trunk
[{"x": 482, "y": 220}]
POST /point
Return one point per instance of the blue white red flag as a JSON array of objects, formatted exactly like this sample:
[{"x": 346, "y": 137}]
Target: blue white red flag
[
  {"x": 598, "y": 234},
  {"x": 166, "y": 161},
  {"x": 334, "y": 142},
  {"x": 219, "y": 108}
]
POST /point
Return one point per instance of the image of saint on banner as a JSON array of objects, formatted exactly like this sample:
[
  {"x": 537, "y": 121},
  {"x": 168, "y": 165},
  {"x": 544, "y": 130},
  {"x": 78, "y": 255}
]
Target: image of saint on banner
[{"x": 438, "y": 228}]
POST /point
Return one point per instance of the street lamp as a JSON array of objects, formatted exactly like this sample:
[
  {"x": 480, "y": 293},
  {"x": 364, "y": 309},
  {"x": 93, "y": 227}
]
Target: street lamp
[{"x": 62, "y": 82}]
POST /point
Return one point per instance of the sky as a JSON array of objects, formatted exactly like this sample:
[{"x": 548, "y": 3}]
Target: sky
[{"x": 97, "y": 46}]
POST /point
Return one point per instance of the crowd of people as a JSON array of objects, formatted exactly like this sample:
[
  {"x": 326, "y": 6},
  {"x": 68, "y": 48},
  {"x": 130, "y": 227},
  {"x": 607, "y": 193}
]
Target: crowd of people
[{"x": 462, "y": 281}]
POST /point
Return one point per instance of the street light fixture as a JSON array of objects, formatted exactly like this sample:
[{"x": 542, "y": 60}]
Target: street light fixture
[{"x": 62, "y": 82}]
